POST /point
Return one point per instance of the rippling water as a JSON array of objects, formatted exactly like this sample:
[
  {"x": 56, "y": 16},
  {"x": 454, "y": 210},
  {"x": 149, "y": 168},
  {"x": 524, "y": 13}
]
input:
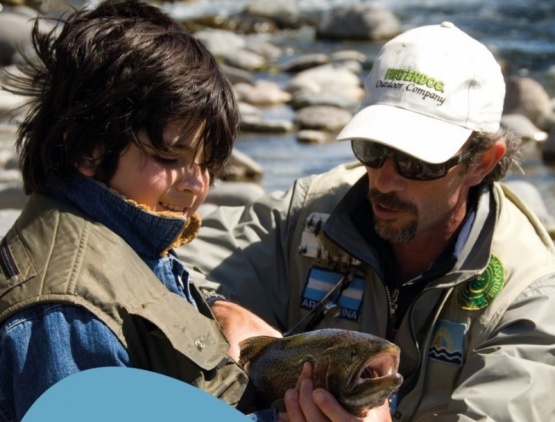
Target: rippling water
[{"x": 521, "y": 31}]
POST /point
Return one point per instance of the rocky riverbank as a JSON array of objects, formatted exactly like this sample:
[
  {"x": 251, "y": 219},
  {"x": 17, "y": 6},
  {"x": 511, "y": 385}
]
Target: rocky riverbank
[{"x": 314, "y": 93}]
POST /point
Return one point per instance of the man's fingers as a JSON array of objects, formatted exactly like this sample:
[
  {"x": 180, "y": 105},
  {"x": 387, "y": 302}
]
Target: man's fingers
[
  {"x": 293, "y": 407},
  {"x": 310, "y": 409},
  {"x": 330, "y": 408},
  {"x": 306, "y": 373}
]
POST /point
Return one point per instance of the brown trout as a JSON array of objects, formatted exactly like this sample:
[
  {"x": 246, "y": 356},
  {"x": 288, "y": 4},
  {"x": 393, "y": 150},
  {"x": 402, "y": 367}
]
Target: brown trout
[{"x": 359, "y": 369}]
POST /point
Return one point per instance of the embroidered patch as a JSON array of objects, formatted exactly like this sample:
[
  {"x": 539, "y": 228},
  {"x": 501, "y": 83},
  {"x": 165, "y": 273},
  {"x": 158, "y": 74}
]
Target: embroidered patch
[
  {"x": 479, "y": 292},
  {"x": 311, "y": 244},
  {"x": 448, "y": 342},
  {"x": 320, "y": 281}
]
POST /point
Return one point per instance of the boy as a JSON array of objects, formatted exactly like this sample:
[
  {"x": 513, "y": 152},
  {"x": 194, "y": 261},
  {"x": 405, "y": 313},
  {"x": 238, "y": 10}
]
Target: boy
[{"x": 130, "y": 120}]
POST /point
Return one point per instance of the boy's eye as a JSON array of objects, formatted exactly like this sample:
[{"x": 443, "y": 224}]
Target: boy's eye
[
  {"x": 204, "y": 166},
  {"x": 176, "y": 162},
  {"x": 166, "y": 161}
]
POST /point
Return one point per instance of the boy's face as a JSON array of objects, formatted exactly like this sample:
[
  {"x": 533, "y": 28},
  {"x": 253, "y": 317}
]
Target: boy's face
[{"x": 176, "y": 183}]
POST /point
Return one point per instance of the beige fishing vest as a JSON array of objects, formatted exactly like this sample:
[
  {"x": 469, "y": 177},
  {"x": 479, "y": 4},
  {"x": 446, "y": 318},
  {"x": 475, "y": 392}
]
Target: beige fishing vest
[
  {"x": 54, "y": 254},
  {"x": 502, "y": 258}
]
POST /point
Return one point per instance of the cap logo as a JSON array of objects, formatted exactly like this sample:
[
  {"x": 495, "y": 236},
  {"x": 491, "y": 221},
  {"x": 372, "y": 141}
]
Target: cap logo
[{"x": 418, "y": 83}]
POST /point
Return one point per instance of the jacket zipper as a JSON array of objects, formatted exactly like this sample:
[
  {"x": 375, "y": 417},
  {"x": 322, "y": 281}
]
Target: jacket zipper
[
  {"x": 392, "y": 298},
  {"x": 426, "y": 343}
]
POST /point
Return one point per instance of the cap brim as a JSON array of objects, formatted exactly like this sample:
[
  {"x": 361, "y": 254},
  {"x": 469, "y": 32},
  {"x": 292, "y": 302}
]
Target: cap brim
[{"x": 423, "y": 137}]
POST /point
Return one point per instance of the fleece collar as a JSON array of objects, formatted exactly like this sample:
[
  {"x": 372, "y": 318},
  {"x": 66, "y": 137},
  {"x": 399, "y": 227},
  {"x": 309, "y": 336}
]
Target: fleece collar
[{"x": 148, "y": 232}]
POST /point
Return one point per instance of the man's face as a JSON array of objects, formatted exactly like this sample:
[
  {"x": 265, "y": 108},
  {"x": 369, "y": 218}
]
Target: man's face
[
  {"x": 175, "y": 182},
  {"x": 406, "y": 209}
]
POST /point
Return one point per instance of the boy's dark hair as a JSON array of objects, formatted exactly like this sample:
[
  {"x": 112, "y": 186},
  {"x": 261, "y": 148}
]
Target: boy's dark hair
[{"x": 110, "y": 72}]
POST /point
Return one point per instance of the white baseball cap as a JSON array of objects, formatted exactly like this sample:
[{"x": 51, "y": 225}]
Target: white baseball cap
[{"x": 429, "y": 88}]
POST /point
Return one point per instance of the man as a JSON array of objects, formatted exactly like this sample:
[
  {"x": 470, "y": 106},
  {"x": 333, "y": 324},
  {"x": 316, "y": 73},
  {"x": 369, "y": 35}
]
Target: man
[{"x": 421, "y": 245}]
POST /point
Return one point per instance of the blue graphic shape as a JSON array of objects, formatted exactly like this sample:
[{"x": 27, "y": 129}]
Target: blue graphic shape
[{"x": 127, "y": 394}]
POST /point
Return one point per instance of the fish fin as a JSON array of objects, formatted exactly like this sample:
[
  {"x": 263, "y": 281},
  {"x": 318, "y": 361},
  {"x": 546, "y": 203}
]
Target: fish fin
[{"x": 251, "y": 347}]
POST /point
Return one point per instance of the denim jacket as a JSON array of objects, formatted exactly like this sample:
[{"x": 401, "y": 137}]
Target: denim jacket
[{"x": 45, "y": 343}]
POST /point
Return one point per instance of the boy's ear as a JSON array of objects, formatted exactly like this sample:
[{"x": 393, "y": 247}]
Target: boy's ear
[
  {"x": 88, "y": 167},
  {"x": 489, "y": 159}
]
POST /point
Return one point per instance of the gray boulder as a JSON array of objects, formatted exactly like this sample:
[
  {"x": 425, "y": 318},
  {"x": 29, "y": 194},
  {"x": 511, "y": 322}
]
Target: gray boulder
[
  {"x": 528, "y": 97},
  {"x": 285, "y": 13},
  {"x": 322, "y": 118},
  {"x": 15, "y": 36},
  {"x": 359, "y": 22}
]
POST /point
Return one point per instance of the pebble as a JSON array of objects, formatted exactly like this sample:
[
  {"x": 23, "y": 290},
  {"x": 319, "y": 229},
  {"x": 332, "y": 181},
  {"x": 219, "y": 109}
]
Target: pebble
[
  {"x": 305, "y": 99},
  {"x": 528, "y": 97},
  {"x": 532, "y": 197},
  {"x": 308, "y": 136},
  {"x": 261, "y": 93},
  {"x": 262, "y": 125},
  {"x": 241, "y": 167},
  {"x": 331, "y": 79},
  {"x": 15, "y": 34},
  {"x": 322, "y": 117},
  {"x": 522, "y": 125},
  {"x": 236, "y": 75},
  {"x": 304, "y": 62},
  {"x": 284, "y": 12}
]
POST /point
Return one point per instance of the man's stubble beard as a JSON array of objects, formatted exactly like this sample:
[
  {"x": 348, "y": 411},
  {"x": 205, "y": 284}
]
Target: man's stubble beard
[
  {"x": 393, "y": 235},
  {"x": 384, "y": 228}
]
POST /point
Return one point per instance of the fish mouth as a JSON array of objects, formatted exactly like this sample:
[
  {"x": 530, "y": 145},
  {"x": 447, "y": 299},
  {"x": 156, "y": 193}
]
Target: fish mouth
[
  {"x": 373, "y": 381},
  {"x": 380, "y": 368}
]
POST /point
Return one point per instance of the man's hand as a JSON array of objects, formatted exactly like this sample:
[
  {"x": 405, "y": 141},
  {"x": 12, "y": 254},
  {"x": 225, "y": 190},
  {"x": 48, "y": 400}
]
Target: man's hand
[{"x": 306, "y": 404}]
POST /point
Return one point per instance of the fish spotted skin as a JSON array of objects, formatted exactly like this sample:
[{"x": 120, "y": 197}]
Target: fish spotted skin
[{"x": 359, "y": 369}]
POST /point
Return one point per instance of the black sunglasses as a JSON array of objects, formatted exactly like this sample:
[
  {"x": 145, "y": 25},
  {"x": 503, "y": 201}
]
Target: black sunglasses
[{"x": 373, "y": 155}]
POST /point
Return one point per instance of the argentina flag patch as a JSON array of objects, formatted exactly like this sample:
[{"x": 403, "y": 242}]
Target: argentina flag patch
[
  {"x": 321, "y": 280},
  {"x": 448, "y": 342}
]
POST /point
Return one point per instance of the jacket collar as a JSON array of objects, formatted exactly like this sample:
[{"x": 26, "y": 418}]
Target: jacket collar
[
  {"x": 472, "y": 246},
  {"x": 149, "y": 233}
]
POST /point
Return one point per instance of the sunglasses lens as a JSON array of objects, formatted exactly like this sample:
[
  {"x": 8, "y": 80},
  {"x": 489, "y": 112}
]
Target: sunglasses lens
[
  {"x": 431, "y": 171},
  {"x": 368, "y": 153},
  {"x": 415, "y": 169},
  {"x": 409, "y": 167},
  {"x": 373, "y": 155}
]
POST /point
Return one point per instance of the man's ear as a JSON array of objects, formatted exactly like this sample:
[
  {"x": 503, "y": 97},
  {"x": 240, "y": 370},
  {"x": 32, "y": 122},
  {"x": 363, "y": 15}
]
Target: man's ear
[{"x": 489, "y": 159}]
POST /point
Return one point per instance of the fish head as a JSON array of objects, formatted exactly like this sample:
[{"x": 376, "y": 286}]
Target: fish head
[{"x": 364, "y": 373}]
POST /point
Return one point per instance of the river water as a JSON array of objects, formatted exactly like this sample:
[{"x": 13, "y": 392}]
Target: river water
[{"x": 522, "y": 32}]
